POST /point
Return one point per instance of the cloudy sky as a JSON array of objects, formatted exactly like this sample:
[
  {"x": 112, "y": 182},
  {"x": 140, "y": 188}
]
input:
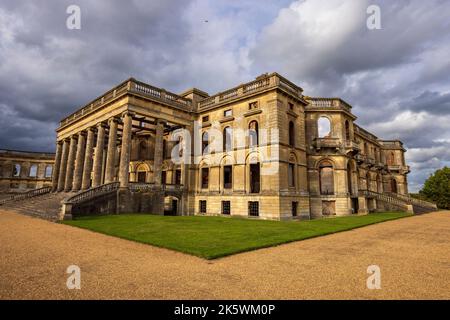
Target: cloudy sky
[{"x": 397, "y": 78}]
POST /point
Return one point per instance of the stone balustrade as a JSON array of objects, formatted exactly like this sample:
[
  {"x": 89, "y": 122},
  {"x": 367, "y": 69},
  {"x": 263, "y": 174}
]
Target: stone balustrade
[
  {"x": 26, "y": 195},
  {"x": 128, "y": 87},
  {"x": 262, "y": 83}
]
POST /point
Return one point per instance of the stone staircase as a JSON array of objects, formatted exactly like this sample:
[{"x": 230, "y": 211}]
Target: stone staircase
[
  {"x": 402, "y": 202},
  {"x": 45, "y": 206}
]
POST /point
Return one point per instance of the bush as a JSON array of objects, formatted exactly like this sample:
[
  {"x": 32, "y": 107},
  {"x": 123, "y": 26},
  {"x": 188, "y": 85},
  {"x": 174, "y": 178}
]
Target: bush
[{"x": 437, "y": 188}]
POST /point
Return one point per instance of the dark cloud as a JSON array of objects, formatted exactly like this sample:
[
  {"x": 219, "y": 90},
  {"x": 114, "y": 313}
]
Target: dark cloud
[
  {"x": 396, "y": 78},
  {"x": 430, "y": 102}
]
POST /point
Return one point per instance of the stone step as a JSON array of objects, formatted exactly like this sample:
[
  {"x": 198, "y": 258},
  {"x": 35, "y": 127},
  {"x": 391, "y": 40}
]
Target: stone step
[{"x": 46, "y": 206}]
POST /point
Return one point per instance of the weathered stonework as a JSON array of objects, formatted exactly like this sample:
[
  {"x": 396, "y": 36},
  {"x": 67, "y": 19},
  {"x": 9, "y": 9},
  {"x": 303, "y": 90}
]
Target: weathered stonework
[
  {"x": 22, "y": 170},
  {"x": 287, "y": 165}
]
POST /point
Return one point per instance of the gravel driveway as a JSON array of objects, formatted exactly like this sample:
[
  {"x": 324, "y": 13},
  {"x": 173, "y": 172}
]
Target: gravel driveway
[{"x": 413, "y": 254}]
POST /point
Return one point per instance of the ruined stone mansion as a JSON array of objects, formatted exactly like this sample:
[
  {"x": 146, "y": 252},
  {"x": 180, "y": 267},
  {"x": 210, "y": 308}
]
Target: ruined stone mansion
[{"x": 260, "y": 149}]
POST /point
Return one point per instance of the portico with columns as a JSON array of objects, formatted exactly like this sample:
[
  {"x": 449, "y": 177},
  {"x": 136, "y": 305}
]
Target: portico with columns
[
  {"x": 94, "y": 145},
  {"x": 114, "y": 154}
]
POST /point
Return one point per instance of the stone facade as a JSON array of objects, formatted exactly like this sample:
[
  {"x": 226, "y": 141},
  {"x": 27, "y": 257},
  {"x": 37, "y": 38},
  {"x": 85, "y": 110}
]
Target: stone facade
[
  {"x": 22, "y": 171},
  {"x": 260, "y": 149}
]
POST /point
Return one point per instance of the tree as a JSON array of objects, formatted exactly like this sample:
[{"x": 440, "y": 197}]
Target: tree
[{"x": 437, "y": 188}]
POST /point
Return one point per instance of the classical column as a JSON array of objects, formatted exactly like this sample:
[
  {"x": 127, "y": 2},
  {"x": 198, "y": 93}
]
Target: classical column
[
  {"x": 158, "y": 152},
  {"x": 125, "y": 150},
  {"x": 63, "y": 165},
  {"x": 111, "y": 153},
  {"x": 70, "y": 164},
  {"x": 79, "y": 162},
  {"x": 87, "y": 170},
  {"x": 98, "y": 157},
  {"x": 56, "y": 166}
]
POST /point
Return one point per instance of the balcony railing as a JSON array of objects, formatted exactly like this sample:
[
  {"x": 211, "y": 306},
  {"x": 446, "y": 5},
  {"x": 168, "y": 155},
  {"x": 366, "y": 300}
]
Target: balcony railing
[
  {"x": 260, "y": 84},
  {"x": 129, "y": 86},
  {"x": 320, "y": 143},
  {"x": 329, "y": 103},
  {"x": 352, "y": 146},
  {"x": 400, "y": 168}
]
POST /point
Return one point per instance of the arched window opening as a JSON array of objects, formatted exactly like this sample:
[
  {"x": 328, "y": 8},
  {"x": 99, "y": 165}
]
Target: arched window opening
[
  {"x": 254, "y": 178},
  {"x": 48, "y": 171},
  {"x": 205, "y": 178},
  {"x": 324, "y": 126},
  {"x": 326, "y": 178},
  {"x": 291, "y": 134},
  {"x": 227, "y": 139},
  {"x": 368, "y": 181},
  {"x": 205, "y": 142},
  {"x": 253, "y": 134},
  {"x": 366, "y": 149},
  {"x": 33, "y": 170},
  {"x": 393, "y": 185},
  {"x": 16, "y": 170},
  {"x": 141, "y": 174},
  {"x": 291, "y": 175},
  {"x": 227, "y": 177},
  {"x": 347, "y": 130},
  {"x": 349, "y": 178}
]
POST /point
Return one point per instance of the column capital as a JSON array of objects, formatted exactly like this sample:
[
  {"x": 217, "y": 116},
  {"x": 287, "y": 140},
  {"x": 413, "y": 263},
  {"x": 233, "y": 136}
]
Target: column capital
[
  {"x": 82, "y": 133},
  {"x": 112, "y": 119},
  {"x": 100, "y": 125},
  {"x": 161, "y": 121},
  {"x": 127, "y": 113}
]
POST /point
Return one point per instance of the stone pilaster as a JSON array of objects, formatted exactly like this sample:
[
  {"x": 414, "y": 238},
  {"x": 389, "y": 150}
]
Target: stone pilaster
[
  {"x": 79, "y": 162},
  {"x": 158, "y": 152},
  {"x": 70, "y": 164},
  {"x": 63, "y": 166},
  {"x": 87, "y": 168},
  {"x": 98, "y": 157},
  {"x": 56, "y": 167},
  {"x": 125, "y": 150},
  {"x": 111, "y": 153}
]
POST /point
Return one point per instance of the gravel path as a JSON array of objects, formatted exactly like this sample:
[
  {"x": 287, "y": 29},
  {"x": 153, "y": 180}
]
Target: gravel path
[{"x": 413, "y": 254}]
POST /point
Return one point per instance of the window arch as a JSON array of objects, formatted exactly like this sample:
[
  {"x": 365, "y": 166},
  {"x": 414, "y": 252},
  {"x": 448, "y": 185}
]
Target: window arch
[
  {"x": 227, "y": 139},
  {"x": 253, "y": 133},
  {"x": 16, "y": 170},
  {"x": 326, "y": 177},
  {"x": 141, "y": 173},
  {"x": 349, "y": 178},
  {"x": 205, "y": 142},
  {"x": 393, "y": 185},
  {"x": 48, "y": 171},
  {"x": 347, "y": 130},
  {"x": 33, "y": 170},
  {"x": 291, "y": 134},
  {"x": 324, "y": 127}
]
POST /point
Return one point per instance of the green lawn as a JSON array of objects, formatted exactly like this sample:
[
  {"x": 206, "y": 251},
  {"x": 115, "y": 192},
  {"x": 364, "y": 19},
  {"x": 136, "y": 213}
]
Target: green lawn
[{"x": 214, "y": 237}]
